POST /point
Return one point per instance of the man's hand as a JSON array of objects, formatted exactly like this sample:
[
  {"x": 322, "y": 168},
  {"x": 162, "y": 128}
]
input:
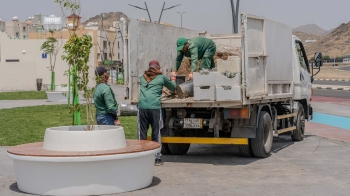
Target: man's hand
[
  {"x": 190, "y": 75},
  {"x": 117, "y": 122},
  {"x": 173, "y": 76}
]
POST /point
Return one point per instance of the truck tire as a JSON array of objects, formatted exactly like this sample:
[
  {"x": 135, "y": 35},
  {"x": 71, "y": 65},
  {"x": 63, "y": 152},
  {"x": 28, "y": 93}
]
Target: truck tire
[
  {"x": 165, "y": 149},
  {"x": 298, "y": 133},
  {"x": 179, "y": 149},
  {"x": 246, "y": 150},
  {"x": 261, "y": 145}
]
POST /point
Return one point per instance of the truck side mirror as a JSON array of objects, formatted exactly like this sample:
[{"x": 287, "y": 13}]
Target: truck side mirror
[
  {"x": 318, "y": 59},
  {"x": 318, "y": 63}
]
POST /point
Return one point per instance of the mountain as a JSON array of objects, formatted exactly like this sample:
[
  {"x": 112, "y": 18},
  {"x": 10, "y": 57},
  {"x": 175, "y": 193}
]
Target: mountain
[
  {"x": 334, "y": 44},
  {"x": 307, "y": 36},
  {"x": 108, "y": 19},
  {"x": 311, "y": 29}
]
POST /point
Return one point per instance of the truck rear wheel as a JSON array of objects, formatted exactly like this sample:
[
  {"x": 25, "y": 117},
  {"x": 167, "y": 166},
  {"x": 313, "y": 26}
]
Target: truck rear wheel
[
  {"x": 179, "y": 149},
  {"x": 165, "y": 149},
  {"x": 245, "y": 150},
  {"x": 262, "y": 143},
  {"x": 298, "y": 133}
]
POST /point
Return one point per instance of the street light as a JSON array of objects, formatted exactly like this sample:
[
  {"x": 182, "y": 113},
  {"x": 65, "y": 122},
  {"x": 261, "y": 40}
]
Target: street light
[
  {"x": 181, "y": 16},
  {"x": 234, "y": 16},
  {"x": 166, "y": 9},
  {"x": 143, "y": 9}
]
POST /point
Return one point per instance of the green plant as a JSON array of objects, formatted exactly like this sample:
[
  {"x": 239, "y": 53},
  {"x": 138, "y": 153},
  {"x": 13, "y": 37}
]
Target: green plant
[
  {"x": 51, "y": 47},
  {"x": 77, "y": 53}
]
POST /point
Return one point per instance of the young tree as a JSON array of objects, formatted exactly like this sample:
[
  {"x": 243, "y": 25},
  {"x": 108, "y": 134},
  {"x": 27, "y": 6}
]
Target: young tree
[
  {"x": 51, "y": 47},
  {"x": 77, "y": 52}
]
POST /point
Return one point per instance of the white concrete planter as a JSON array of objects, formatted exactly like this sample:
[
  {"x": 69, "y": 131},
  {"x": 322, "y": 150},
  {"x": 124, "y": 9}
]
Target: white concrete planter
[
  {"x": 61, "y": 96},
  {"x": 84, "y": 171}
]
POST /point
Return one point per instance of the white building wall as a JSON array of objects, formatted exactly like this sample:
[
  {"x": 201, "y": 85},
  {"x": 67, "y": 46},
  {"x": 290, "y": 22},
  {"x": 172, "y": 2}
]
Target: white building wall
[{"x": 32, "y": 60}]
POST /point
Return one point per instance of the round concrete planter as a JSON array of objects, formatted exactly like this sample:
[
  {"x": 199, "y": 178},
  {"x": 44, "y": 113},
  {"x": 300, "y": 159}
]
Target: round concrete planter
[
  {"x": 67, "y": 162},
  {"x": 61, "y": 95},
  {"x": 74, "y": 138}
]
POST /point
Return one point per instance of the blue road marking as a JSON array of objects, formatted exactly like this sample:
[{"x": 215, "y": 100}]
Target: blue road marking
[{"x": 331, "y": 120}]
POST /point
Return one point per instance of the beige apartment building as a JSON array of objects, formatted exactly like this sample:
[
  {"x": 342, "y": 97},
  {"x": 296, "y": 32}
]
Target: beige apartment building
[
  {"x": 16, "y": 29},
  {"x": 104, "y": 49}
]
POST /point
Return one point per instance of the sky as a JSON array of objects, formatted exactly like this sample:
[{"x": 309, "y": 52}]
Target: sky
[{"x": 213, "y": 16}]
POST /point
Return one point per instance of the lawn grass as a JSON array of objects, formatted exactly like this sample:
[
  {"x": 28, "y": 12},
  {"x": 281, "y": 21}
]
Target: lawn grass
[
  {"x": 28, "y": 124},
  {"x": 23, "y": 95}
]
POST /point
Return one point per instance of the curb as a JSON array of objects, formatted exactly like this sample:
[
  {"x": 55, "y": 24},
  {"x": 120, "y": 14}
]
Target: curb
[
  {"x": 332, "y": 88},
  {"x": 339, "y": 80}
]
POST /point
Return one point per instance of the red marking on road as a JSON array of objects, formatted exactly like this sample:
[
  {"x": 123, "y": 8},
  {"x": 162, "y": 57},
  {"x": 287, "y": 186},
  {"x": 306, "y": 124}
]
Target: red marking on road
[
  {"x": 333, "y": 100},
  {"x": 328, "y": 131}
]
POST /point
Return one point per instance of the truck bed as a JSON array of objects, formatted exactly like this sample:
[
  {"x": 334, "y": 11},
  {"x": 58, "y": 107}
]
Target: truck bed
[{"x": 191, "y": 103}]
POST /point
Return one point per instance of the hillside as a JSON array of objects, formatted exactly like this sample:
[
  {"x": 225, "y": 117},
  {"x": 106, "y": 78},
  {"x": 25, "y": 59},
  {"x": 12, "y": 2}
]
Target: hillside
[
  {"x": 307, "y": 36},
  {"x": 311, "y": 29},
  {"x": 336, "y": 43},
  {"x": 108, "y": 20}
]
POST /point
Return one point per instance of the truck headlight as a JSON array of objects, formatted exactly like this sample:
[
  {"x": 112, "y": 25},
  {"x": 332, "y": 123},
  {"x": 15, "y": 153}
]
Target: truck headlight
[{"x": 181, "y": 113}]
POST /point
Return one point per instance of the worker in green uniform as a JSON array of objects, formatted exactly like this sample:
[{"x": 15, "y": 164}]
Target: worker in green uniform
[
  {"x": 150, "y": 109},
  {"x": 196, "y": 48},
  {"x": 104, "y": 100}
]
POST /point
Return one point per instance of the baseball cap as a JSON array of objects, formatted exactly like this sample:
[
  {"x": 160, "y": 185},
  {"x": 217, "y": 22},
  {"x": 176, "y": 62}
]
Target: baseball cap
[
  {"x": 180, "y": 43},
  {"x": 100, "y": 70}
]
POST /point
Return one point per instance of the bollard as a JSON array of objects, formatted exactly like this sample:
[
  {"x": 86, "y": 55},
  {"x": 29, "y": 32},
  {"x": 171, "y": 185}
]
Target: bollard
[{"x": 39, "y": 83}]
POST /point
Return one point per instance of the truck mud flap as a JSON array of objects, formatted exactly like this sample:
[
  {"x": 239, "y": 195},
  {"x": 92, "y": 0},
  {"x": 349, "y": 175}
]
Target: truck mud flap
[{"x": 243, "y": 132}]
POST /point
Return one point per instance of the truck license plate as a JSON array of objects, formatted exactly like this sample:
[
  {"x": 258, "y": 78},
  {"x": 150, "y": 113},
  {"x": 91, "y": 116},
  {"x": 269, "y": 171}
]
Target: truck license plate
[{"x": 192, "y": 123}]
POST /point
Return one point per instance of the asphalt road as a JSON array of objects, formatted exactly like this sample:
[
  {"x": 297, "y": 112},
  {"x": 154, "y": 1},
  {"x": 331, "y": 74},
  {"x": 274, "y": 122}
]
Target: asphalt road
[
  {"x": 332, "y": 93},
  {"x": 336, "y": 83},
  {"x": 345, "y": 68}
]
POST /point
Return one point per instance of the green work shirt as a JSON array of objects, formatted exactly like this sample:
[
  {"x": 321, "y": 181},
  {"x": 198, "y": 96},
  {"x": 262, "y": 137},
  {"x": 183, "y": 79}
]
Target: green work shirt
[
  {"x": 150, "y": 95},
  {"x": 196, "y": 49},
  {"x": 104, "y": 99}
]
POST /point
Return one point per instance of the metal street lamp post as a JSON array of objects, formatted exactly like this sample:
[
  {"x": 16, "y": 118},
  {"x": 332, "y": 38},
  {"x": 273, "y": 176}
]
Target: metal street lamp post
[
  {"x": 235, "y": 16},
  {"x": 149, "y": 16},
  {"x": 165, "y": 9},
  {"x": 181, "y": 16}
]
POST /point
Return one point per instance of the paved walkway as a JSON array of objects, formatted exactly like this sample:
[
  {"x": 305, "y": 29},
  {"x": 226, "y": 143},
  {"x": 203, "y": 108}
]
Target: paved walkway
[{"x": 117, "y": 89}]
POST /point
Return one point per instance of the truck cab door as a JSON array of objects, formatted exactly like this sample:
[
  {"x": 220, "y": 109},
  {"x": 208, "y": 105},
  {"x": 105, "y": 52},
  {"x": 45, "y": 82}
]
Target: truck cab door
[{"x": 305, "y": 75}]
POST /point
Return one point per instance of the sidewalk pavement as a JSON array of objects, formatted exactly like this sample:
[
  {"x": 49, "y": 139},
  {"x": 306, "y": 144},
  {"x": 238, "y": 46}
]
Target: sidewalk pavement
[
  {"x": 331, "y": 87},
  {"x": 117, "y": 89},
  {"x": 24, "y": 103}
]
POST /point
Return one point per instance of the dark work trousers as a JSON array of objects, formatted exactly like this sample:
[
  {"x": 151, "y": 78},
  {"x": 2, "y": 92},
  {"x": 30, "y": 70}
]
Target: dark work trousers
[{"x": 146, "y": 117}]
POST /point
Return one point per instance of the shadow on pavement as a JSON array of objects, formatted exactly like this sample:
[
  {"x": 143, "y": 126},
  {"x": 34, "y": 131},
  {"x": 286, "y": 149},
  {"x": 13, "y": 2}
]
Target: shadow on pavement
[
  {"x": 14, "y": 187},
  {"x": 223, "y": 154},
  {"x": 280, "y": 143}
]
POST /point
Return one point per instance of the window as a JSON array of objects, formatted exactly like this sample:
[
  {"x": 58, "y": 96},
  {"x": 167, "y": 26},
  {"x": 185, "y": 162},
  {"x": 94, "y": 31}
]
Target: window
[
  {"x": 104, "y": 44},
  {"x": 301, "y": 55},
  {"x": 104, "y": 56},
  {"x": 118, "y": 46},
  {"x": 118, "y": 55},
  {"x": 110, "y": 55},
  {"x": 24, "y": 37},
  {"x": 24, "y": 29}
]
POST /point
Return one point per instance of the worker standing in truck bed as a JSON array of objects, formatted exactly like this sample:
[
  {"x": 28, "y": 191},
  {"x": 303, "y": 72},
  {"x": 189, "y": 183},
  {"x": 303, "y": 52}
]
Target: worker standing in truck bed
[{"x": 196, "y": 48}]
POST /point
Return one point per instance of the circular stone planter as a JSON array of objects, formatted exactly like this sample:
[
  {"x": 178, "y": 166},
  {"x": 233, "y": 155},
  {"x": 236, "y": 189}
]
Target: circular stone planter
[
  {"x": 61, "y": 95},
  {"x": 53, "y": 168}
]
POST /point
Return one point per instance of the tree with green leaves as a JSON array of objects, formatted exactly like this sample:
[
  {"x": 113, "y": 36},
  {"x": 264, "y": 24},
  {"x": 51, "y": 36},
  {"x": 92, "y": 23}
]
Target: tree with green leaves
[
  {"x": 77, "y": 53},
  {"x": 51, "y": 47}
]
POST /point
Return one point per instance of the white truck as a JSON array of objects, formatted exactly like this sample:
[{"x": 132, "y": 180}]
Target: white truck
[{"x": 274, "y": 86}]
